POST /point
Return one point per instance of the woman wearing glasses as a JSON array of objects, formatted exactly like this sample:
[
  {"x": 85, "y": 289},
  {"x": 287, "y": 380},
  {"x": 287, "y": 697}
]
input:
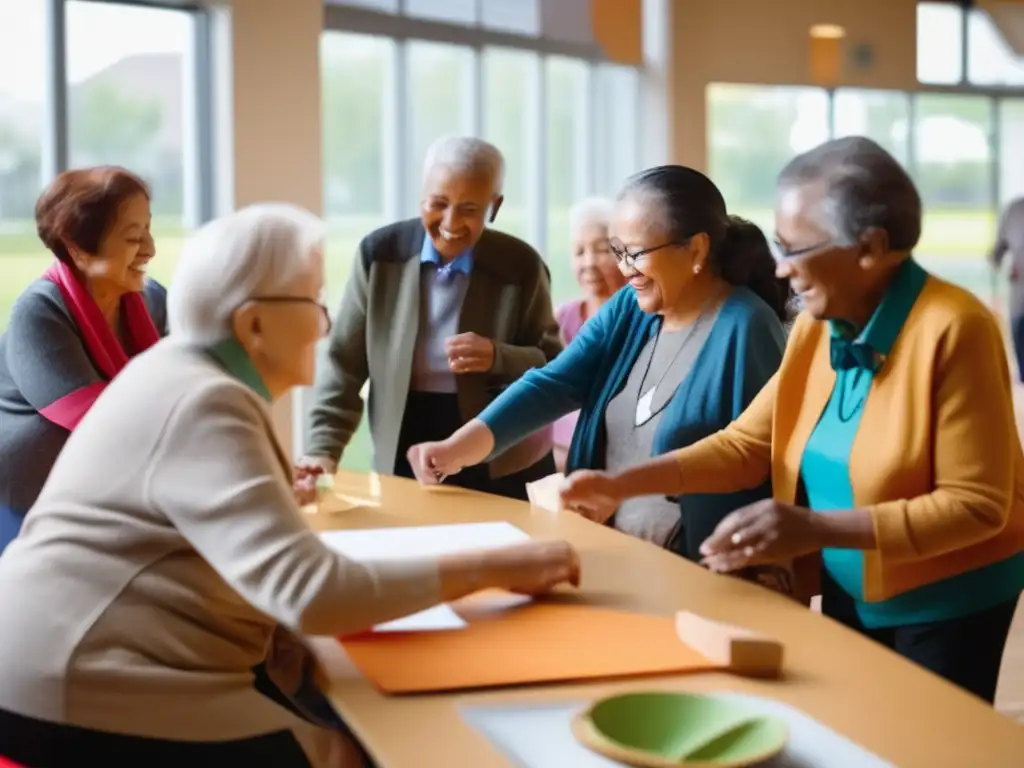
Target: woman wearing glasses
[
  {"x": 166, "y": 557},
  {"x": 889, "y": 432},
  {"x": 670, "y": 359}
]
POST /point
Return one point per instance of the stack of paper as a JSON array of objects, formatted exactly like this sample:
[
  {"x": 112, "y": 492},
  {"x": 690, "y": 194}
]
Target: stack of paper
[{"x": 422, "y": 541}]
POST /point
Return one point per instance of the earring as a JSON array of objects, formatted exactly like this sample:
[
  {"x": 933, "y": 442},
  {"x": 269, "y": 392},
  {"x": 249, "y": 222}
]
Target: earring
[{"x": 696, "y": 269}]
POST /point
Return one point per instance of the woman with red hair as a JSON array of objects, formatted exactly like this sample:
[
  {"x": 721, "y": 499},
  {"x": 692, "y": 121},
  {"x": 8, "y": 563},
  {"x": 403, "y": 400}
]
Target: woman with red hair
[{"x": 76, "y": 327}]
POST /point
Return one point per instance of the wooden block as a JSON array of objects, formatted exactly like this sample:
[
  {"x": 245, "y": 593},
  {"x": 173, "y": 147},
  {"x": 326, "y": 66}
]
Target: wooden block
[{"x": 742, "y": 651}]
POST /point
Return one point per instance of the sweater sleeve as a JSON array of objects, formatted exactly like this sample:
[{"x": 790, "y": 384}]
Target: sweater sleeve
[
  {"x": 538, "y": 339},
  {"x": 217, "y": 478},
  {"x": 543, "y": 395},
  {"x": 975, "y": 450},
  {"x": 48, "y": 360},
  {"x": 739, "y": 457},
  {"x": 338, "y": 405}
]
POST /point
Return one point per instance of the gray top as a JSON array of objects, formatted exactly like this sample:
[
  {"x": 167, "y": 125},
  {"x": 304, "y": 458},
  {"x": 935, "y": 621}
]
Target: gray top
[
  {"x": 441, "y": 297},
  {"x": 42, "y": 359},
  {"x": 652, "y": 518}
]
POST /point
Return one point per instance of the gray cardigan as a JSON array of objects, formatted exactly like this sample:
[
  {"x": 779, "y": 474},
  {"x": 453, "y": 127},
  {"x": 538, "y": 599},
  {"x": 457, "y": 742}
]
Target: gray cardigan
[
  {"x": 42, "y": 359},
  {"x": 508, "y": 300},
  {"x": 162, "y": 553}
]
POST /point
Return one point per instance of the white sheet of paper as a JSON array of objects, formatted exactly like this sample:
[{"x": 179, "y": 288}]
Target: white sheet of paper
[
  {"x": 540, "y": 736},
  {"x": 407, "y": 542},
  {"x": 543, "y": 493},
  {"x": 422, "y": 541}
]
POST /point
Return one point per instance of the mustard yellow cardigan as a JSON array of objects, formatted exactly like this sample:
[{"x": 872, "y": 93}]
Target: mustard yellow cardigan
[{"x": 937, "y": 461}]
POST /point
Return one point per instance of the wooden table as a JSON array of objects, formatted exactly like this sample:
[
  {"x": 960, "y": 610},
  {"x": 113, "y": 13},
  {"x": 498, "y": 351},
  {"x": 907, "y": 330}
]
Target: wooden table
[{"x": 889, "y": 706}]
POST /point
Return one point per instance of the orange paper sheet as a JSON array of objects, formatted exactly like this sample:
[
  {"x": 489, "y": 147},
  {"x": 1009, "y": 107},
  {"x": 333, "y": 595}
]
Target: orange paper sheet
[{"x": 535, "y": 643}]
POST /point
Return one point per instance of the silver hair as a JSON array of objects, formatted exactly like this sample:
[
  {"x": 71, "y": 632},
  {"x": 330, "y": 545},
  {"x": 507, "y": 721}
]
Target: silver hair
[
  {"x": 591, "y": 211},
  {"x": 865, "y": 188},
  {"x": 469, "y": 155},
  {"x": 260, "y": 249}
]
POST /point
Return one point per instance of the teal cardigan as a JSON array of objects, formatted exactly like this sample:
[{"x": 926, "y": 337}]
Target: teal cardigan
[{"x": 742, "y": 352}]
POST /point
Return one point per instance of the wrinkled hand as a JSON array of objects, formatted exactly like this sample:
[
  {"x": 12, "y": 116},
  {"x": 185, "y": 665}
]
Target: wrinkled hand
[
  {"x": 304, "y": 477},
  {"x": 432, "y": 462},
  {"x": 534, "y": 567},
  {"x": 469, "y": 353},
  {"x": 591, "y": 494},
  {"x": 763, "y": 532}
]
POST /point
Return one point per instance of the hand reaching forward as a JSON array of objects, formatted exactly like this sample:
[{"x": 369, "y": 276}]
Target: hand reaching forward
[
  {"x": 764, "y": 532},
  {"x": 432, "y": 462},
  {"x": 304, "y": 477},
  {"x": 532, "y": 568},
  {"x": 592, "y": 494},
  {"x": 469, "y": 353}
]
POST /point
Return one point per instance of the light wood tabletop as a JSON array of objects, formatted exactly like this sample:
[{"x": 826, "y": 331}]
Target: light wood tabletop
[{"x": 887, "y": 705}]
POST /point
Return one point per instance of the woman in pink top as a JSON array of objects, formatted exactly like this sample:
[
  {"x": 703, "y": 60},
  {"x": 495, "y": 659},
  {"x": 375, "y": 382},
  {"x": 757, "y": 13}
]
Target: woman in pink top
[{"x": 599, "y": 278}]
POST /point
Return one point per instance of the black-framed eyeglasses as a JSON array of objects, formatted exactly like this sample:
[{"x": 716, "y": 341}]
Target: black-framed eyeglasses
[
  {"x": 781, "y": 252},
  {"x": 623, "y": 256},
  {"x": 325, "y": 314}
]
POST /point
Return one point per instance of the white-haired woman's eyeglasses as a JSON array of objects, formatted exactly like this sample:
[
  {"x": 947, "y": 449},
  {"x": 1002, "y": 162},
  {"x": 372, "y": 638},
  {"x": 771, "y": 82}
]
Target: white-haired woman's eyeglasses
[{"x": 325, "y": 314}]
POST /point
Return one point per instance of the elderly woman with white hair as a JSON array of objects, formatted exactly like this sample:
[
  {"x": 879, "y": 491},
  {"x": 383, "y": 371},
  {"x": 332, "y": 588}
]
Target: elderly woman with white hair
[
  {"x": 440, "y": 315},
  {"x": 166, "y": 550},
  {"x": 599, "y": 278}
]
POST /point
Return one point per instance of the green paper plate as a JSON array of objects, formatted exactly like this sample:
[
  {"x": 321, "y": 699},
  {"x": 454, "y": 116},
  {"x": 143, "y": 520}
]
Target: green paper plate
[{"x": 670, "y": 729}]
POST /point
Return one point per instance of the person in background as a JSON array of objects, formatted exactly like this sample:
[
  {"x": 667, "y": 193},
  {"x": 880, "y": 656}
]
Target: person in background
[
  {"x": 599, "y": 278},
  {"x": 166, "y": 555},
  {"x": 440, "y": 314},
  {"x": 74, "y": 329},
  {"x": 1010, "y": 242},
  {"x": 889, "y": 432},
  {"x": 672, "y": 358}
]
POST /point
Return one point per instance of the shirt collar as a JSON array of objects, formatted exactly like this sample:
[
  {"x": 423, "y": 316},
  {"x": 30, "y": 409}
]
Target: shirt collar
[
  {"x": 235, "y": 360},
  {"x": 462, "y": 263},
  {"x": 869, "y": 348}
]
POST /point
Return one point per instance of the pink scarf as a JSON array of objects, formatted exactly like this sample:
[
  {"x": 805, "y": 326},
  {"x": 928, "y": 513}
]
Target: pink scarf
[{"x": 101, "y": 342}]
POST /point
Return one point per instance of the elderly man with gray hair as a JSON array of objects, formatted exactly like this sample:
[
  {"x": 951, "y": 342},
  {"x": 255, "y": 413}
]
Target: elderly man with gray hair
[{"x": 440, "y": 314}]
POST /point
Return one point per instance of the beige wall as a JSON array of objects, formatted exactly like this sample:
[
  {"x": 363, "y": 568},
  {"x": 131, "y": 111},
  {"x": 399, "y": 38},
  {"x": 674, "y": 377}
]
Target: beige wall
[
  {"x": 766, "y": 42},
  {"x": 268, "y": 80}
]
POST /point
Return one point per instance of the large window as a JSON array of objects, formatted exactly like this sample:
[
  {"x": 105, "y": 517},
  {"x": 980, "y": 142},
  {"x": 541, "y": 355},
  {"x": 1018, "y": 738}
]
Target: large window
[
  {"x": 950, "y": 35},
  {"x": 356, "y": 73},
  {"x": 129, "y": 71},
  {"x": 441, "y": 94},
  {"x": 880, "y": 115},
  {"x": 22, "y": 88},
  {"x": 616, "y": 140},
  {"x": 752, "y": 132},
  {"x": 511, "y": 79},
  {"x": 963, "y": 151},
  {"x": 126, "y": 105},
  {"x": 568, "y": 164},
  {"x": 953, "y": 169}
]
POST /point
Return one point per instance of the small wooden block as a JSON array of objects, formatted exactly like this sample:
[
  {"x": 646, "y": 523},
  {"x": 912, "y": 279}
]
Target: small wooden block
[{"x": 742, "y": 651}]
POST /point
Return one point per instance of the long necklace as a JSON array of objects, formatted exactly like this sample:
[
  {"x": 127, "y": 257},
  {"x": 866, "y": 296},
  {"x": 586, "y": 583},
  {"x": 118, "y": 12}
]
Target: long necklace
[{"x": 645, "y": 402}]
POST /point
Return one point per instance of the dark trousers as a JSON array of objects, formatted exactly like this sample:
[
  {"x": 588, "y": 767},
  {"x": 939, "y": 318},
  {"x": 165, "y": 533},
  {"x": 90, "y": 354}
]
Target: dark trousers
[
  {"x": 38, "y": 744},
  {"x": 1017, "y": 332},
  {"x": 966, "y": 651},
  {"x": 432, "y": 416}
]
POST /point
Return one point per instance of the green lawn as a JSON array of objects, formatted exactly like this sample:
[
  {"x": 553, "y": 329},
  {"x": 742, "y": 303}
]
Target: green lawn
[{"x": 953, "y": 245}]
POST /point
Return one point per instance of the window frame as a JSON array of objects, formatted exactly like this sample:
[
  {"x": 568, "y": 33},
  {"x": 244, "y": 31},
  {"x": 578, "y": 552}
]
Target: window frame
[{"x": 199, "y": 112}]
